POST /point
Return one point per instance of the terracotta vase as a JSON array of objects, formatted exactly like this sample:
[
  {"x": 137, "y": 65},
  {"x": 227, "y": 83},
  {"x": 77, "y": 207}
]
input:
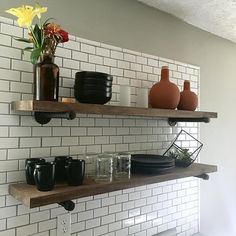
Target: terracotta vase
[
  {"x": 46, "y": 79},
  {"x": 164, "y": 94},
  {"x": 188, "y": 99}
]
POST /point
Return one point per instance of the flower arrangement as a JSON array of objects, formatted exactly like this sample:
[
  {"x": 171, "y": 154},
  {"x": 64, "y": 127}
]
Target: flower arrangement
[{"x": 44, "y": 36}]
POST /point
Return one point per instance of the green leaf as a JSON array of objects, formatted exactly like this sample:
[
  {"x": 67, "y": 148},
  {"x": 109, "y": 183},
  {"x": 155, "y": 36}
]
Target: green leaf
[
  {"x": 38, "y": 34},
  {"x": 35, "y": 55},
  {"x": 23, "y": 40},
  {"x": 28, "y": 48},
  {"x": 46, "y": 22}
]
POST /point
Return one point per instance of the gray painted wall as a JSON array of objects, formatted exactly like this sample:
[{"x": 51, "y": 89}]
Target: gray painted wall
[{"x": 129, "y": 24}]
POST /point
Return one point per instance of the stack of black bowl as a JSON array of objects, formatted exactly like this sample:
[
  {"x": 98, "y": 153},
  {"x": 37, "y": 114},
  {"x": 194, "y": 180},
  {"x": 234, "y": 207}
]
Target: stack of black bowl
[{"x": 93, "y": 87}]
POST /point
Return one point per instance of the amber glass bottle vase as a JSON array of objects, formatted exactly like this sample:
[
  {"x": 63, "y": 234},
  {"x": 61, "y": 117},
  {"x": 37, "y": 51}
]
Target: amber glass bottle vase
[{"x": 46, "y": 79}]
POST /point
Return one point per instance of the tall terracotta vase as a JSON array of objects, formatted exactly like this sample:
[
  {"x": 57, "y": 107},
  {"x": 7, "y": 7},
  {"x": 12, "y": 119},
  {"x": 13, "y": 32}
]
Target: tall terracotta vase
[
  {"x": 46, "y": 79},
  {"x": 188, "y": 99},
  {"x": 164, "y": 94}
]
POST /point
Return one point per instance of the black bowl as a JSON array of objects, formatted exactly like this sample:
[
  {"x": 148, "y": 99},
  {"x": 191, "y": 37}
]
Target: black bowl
[
  {"x": 93, "y": 81},
  {"x": 92, "y": 88},
  {"x": 84, "y": 75},
  {"x": 92, "y": 96},
  {"x": 95, "y": 78},
  {"x": 93, "y": 99},
  {"x": 93, "y": 93}
]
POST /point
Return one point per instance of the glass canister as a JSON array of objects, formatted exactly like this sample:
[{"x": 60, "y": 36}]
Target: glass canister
[
  {"x": 90, "y": 164},
  {"x": 122, "y": 164},
  {"x": 104, "y": 168}
]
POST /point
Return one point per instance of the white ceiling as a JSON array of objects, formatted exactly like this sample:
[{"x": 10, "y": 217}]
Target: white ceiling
[{"x": 215, "y": 16}]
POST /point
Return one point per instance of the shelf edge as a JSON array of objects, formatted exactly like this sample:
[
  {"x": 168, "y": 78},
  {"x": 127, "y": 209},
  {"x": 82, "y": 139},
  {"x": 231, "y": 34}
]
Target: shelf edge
[
  {"x": 48, "y": 106},
  {"x": 30, "y": 197}
]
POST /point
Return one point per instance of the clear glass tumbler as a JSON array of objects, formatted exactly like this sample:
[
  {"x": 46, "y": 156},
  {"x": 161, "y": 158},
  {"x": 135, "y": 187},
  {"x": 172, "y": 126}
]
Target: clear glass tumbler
[
  {"x": 104, "y": 168},
  {"x": 122, "y": 164}
]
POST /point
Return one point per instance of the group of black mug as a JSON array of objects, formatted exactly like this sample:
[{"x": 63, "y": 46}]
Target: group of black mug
[{"x": 45, "y": 174}]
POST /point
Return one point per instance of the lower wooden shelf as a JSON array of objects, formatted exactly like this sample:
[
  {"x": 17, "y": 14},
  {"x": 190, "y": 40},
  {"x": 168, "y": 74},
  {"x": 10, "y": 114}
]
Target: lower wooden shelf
[{"x": 31, "y": 197}]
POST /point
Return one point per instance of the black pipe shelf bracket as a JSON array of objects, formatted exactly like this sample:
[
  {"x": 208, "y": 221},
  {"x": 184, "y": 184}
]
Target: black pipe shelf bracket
[
  {"x": 45, "y": 117},
  {"x": 203, "y": 176},
  {"x": 173, "y": 121},
  {"x": 68, "y": 205}
]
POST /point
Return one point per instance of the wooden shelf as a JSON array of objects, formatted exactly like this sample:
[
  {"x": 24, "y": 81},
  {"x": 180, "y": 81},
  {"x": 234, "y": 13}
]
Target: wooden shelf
[
  {"x": 57, "y": 107},
  {"x": 31, "y": 197}
]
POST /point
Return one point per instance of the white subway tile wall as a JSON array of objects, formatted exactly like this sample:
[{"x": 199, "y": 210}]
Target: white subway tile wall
[{"x": 146, "y": 210}]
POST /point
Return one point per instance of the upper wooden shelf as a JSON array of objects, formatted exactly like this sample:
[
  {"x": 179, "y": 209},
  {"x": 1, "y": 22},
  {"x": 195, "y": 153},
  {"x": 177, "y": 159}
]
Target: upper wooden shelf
[
  {"x": 31, "y": 197},
  {"x": 54, "y": 107}
]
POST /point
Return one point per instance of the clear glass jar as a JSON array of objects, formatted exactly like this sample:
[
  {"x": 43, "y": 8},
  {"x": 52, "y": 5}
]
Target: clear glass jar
[
  {"x": 104, "y": 168},
  {"x": 122, "y": 164},
  {"x": 90, "y": 164}
]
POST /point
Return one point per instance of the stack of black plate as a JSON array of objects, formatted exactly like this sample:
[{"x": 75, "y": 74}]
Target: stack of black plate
[
  {"x": 151, "y": 164},
  {"x": 93, "y": 87}
]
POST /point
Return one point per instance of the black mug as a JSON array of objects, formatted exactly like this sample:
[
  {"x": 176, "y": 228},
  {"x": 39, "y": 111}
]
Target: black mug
[
  {"x": 75, "y": 170},
  {"x": 29, "y": 169},
  {"x": 44, "y": 176},
  {"x": 60, "y": 167}
]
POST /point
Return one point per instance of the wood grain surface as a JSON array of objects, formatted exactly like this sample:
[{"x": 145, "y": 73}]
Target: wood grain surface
[
  {"x": 31, "y": 197},
  {"x": 46, "y": 106}
]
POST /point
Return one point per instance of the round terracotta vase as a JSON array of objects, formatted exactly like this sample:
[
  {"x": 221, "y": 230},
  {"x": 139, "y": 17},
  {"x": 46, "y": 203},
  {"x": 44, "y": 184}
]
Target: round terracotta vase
[
  {"x": 164, "y": 94},
  {"x": 188, "y": 99}
]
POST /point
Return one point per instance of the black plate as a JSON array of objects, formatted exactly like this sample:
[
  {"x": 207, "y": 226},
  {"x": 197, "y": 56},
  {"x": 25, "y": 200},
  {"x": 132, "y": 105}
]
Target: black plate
[
  {"x": 151, "y": 159},
  {"x": 145, "y": 170},
  {"x": 148, "y": 165}
]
